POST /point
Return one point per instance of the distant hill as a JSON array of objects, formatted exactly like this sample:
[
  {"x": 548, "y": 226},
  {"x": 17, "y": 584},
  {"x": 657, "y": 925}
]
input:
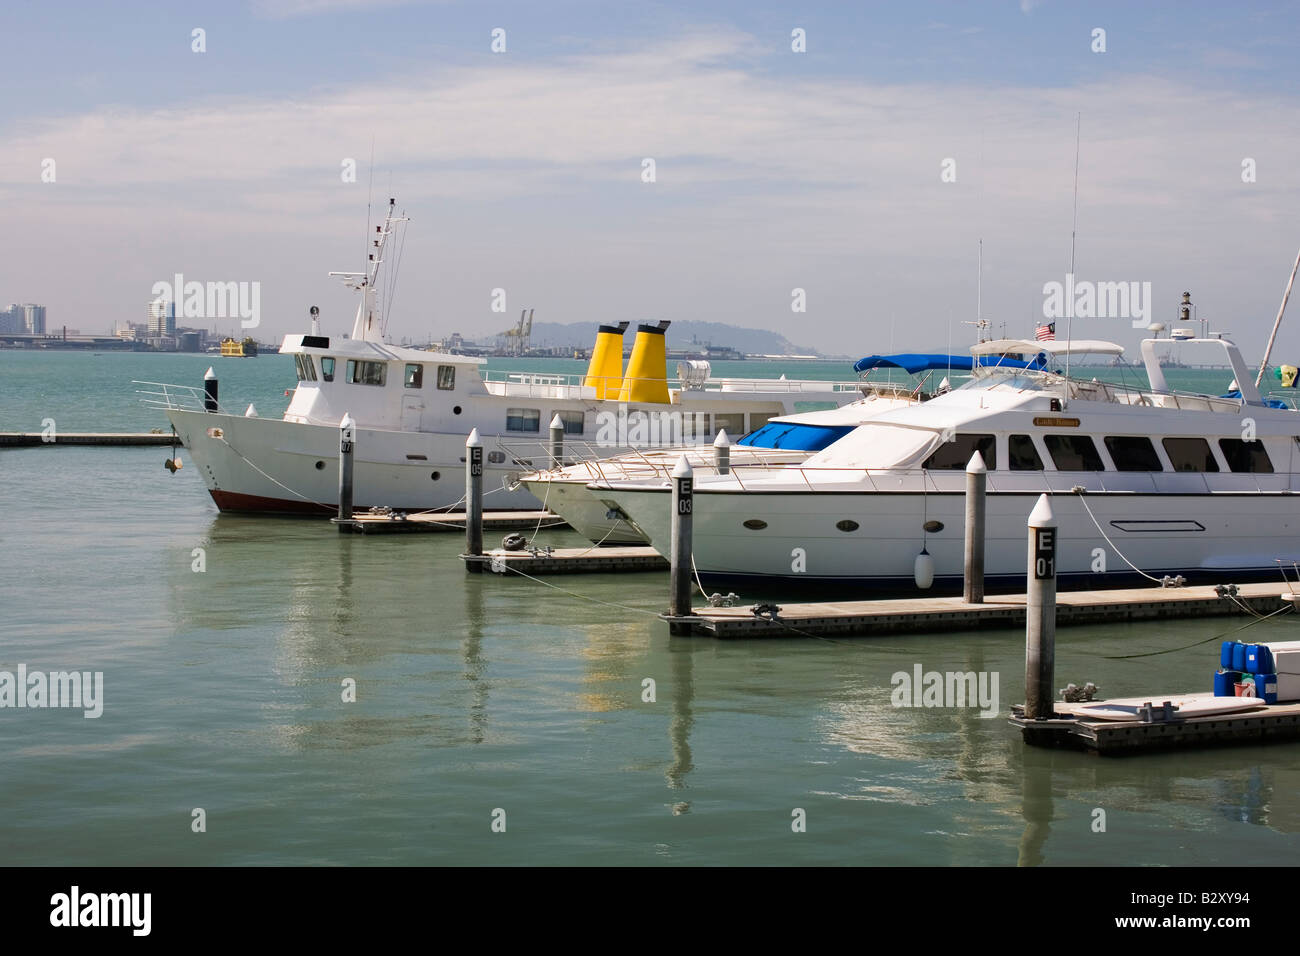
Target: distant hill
[{"x": 680, "y": 335}]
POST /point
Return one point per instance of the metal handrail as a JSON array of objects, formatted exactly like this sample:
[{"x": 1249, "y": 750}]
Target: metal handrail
[{"x": 190, "y": 399}]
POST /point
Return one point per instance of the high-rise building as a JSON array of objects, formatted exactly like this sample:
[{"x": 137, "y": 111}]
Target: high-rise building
[
  {"x": 33, "y": 318},
  {"x": 162, "y": 317},
  {"x": 11, "y": 319}
]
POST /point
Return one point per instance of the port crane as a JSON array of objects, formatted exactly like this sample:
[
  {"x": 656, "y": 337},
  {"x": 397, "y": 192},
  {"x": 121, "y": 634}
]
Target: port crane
[{"x": 517, "y": 339}]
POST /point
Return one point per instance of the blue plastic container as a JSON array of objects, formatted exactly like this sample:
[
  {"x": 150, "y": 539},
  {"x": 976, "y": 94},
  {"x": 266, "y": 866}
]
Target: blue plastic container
[
  {"x": 1239, "y": 657},
  {"x": 1266, "y": 688},
  {"x": 1225, "y": 655},
  {"x": 1265, "y": 660},
  {"x": 1225, "y": 684}
]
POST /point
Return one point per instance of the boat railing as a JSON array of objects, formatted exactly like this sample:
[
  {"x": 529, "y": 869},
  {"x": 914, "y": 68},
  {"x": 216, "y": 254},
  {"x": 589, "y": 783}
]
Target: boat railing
[
  {"x": 650, "y": 462},
  {"x": 524, "y": 384},
  {"x": 1120, "y": 394},
  {"x": 168, "y": 397}
]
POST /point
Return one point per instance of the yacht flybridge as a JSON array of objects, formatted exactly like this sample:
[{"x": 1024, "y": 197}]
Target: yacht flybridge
[
  {"x": 414, "y": 408},
  {"x": 1145, "y": 482}
]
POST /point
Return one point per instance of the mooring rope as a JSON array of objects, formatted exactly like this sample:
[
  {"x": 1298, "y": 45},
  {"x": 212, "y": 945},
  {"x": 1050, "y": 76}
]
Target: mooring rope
[
  {"x": 272, "y": 479},
  {"x": 1216, "y": 637},
  {"x": 1084, "y": 502}
]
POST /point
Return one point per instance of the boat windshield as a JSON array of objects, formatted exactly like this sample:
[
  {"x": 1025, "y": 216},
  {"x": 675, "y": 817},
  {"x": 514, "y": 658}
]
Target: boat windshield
[{"x": 1017, "y": 378}]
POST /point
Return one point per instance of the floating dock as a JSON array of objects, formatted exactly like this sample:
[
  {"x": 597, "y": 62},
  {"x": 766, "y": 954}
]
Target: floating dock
[
  {"x": 1268, "y": 724},
  {"x": 882, "y": 617},
  {"x": 31, "y": 439},
  {"x": 446, "y": 521},
  {"x": 568, "y": 560}
]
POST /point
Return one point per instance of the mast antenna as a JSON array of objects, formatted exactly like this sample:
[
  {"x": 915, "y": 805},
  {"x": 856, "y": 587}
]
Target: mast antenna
[{"x": 1074, "y": 228}]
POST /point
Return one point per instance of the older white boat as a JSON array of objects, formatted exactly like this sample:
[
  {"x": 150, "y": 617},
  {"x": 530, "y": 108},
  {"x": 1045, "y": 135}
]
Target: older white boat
[
  {"x": 414, "y": 408},
  {"x": 1144, "y": 481}
]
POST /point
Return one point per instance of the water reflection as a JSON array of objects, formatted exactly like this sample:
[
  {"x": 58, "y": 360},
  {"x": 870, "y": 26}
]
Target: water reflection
[
  {"x": 472, "y": 653},
  {"x": 1036, "y": 772},
  {"x": 681, "y": 659}
]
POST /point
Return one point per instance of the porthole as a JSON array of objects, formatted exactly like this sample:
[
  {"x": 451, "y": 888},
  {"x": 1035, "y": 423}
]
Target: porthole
[
  {"x": 496, "y": 457},
  {"x": 320, "y": 466},
  {"x": 755, "y": 524},
  {"x": 933, "y": 527},
  {"x": 436, "y": 475},
  {"x": 456, "y": 410},
  {"x": 847, "y": 525}
]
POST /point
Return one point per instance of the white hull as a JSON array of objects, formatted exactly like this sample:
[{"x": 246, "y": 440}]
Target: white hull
[
  {"x": 267, "y": 464},
  {"x": 1199, "y": 536}
]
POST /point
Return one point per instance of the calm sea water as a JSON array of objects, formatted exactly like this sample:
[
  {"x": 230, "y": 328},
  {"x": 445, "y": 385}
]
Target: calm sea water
[{"x": 480, "y": 693}]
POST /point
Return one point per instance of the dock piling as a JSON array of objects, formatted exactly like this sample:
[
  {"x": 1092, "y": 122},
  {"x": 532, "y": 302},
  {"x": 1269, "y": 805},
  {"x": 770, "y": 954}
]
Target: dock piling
[
  {"x": 977, "y": 479},
  {"x": 557, "y": 442},
  {"x": 1040, "y": 612},
  {"x": 722, "y": 453},
  {"x": 210, "y": 390},
  {"x": 347, "y": 444},
  {"x": 679, "y": 562},
  {"x": 473, "y": 500}
]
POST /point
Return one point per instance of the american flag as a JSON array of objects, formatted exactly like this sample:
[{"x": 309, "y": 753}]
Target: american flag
[{"x": 1045, "y": 333}]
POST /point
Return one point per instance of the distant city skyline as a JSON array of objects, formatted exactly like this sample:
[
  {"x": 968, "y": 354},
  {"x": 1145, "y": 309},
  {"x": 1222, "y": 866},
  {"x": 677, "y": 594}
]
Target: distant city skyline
[{"x": 718, "y": 162}]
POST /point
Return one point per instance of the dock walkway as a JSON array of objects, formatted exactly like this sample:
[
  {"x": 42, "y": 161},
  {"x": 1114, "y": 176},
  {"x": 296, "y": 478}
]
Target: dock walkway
[
  {"x": 881, "y": 617},
  {"x": 33, "y": 439},
  {"x": 446, "y": 521},
  {"x": 1275, "y": 722}
]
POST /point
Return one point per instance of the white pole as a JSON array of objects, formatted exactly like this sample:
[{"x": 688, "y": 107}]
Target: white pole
[
  {"x": 1040, "y": 612},
  {"x": 977, "y": 477},
  {"x": 1278, "y": 321},
  {"x": 680, "y": 553},
  {"x": 473, "y": 499},
  {"x": 722, "y": 453},
  {"x": 347, "y": 445}
]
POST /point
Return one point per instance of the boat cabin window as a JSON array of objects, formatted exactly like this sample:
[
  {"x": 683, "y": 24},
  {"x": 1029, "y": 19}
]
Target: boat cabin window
[
  {"x": 1190, "y": 454},
  {"x": 572, "y": 422},
  {"x": 306, "y": 371},
  {"x": 1245, "y": 455},
  {"x": 523, "y": 419},
  {"x": 327, "y": 368},
  {"x": 1022, "y": 454},
  {"x": 734, "y": 423},
  {"x": 446, "y": 377},
  {"x": 1133, "y": 453},
  {"x": 955, "y": 455},
  {"x": 366, "y": 373},
  {"x": 414, "y": 377},
  {"x": 1073, "y": 453}
]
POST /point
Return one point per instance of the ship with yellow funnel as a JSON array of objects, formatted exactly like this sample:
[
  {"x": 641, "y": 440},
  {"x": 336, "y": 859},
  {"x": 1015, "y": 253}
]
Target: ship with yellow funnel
[{"x": 413, "y": 410}]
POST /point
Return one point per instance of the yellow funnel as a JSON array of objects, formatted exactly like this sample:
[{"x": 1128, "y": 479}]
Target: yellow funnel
[
  {"x": 647, "y": 368},
  {"x": 605, "y": 372}
]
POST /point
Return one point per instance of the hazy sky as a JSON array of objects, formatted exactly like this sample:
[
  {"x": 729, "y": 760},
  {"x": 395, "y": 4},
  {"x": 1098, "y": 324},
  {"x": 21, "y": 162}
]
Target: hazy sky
[{"x": 774, "y": 169}]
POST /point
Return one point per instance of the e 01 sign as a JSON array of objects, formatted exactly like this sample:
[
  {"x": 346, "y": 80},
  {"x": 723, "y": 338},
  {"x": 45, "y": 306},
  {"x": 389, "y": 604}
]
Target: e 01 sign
[{"x": 1044, "y": 554}]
